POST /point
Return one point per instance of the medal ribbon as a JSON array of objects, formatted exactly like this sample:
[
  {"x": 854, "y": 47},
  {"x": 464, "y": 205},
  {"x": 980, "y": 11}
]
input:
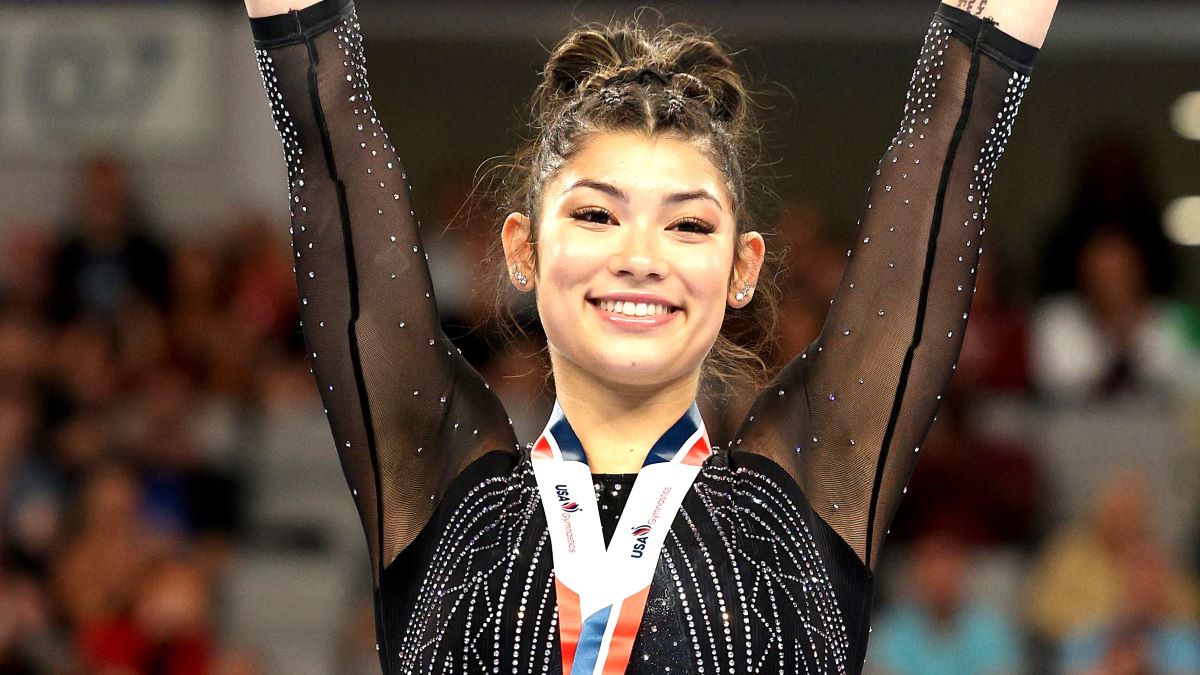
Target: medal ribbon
[{"x": 602, "y": 591}]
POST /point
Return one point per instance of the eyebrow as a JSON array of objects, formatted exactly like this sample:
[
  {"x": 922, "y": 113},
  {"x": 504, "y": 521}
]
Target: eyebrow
[{"x": 618, "y": 193}]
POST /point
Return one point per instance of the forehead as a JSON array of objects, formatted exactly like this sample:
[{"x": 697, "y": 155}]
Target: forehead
[{"x": 642, "y": 165}]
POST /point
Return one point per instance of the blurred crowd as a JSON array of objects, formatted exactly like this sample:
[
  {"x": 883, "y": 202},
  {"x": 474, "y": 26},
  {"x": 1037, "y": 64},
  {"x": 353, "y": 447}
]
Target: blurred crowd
[
  {"x": 131, "y": 369},
  {"x": 1050, "y": 527}
]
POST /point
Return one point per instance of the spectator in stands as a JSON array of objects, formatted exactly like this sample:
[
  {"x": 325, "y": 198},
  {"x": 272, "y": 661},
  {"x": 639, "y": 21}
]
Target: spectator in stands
[
  {"x": 187, "y": 492},
  {"x": 108, "y": 254},
  {"x": 1112, "y": 336},
  {"x": 165, "y": 631},
  {"x": 937, "y": 629},
  {"x": 1109, "y": 327},
  {"x": 27, "y": 275},
  {"x": 1078, "y": 578},
  {"x": 29, "y": 642},
  {"x": 1114, "y": 185},
  {"x": 1145, "y": 635},
  {"x": 110, "y": 551},
  {"x": 31, "y": 491}
]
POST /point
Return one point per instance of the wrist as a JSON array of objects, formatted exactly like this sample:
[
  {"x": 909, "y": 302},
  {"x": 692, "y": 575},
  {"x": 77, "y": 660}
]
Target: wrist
[{"x": 260, "y": 8}]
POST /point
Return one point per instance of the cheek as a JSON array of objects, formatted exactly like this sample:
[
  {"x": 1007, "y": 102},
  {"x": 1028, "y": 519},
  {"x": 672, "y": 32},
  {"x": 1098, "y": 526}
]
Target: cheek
[
  {"x": 567, "y": 269},
  {"x": 707, "y": 279},
  {"x": 567, "y": 263}
]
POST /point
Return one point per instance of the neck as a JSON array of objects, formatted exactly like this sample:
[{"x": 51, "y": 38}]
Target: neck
[{"x": 618, "y": 424}]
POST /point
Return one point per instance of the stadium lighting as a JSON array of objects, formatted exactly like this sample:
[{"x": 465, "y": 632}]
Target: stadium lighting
[
  {"x": 1185, "y": 115},
  {"x": 1181, "y": 221}
]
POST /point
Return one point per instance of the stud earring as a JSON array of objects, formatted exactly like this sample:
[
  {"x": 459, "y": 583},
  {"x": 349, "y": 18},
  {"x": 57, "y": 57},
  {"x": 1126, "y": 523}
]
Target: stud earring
[
  {"x": 521, "y": 278},
  {"x": 741, "y": 295}
]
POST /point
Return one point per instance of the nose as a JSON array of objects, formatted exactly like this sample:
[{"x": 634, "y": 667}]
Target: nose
[{"x": 638, "y": 253}]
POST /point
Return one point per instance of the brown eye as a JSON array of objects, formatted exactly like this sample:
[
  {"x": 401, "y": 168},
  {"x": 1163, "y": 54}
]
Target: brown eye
[
  {"x": 592, "y": 215},
  {"x": 693, "y": 225}
]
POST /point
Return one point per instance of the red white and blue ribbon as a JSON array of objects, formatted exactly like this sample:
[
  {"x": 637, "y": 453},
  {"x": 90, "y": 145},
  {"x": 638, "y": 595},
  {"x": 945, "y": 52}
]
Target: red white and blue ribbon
[{"x": 602, "y": 592}]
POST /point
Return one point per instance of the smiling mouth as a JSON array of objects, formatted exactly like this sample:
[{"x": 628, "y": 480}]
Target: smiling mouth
[{"x": 627, "y": 308}]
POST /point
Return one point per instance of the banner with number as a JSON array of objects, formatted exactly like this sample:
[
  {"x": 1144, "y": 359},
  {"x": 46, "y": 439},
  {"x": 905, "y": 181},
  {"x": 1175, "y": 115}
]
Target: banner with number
[{"x": 139, "y": 76}]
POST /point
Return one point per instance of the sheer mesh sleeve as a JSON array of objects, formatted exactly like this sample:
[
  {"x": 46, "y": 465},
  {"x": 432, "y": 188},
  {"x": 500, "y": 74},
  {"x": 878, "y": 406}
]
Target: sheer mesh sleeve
[
  {"x": 847, "y": 416},
  {"x": 407, "y": 412}
]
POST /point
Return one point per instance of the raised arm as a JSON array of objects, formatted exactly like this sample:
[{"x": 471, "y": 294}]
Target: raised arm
[
  {"x": 407, "y": 412},
  {"x": 846, "y": 417}
]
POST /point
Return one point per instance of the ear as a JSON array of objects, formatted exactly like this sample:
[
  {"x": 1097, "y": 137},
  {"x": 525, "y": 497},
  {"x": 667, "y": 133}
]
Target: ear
[
  {"x": 518, "y": 250},
  {"x": 746, "y": 268}
]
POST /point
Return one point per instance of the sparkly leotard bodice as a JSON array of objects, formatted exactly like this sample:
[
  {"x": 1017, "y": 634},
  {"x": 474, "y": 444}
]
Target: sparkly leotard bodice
[{"x": 767, "y": 568}]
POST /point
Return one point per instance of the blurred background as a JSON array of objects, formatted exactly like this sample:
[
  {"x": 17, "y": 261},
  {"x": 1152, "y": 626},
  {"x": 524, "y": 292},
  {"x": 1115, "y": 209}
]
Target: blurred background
[{"x": 170, "y": 498}]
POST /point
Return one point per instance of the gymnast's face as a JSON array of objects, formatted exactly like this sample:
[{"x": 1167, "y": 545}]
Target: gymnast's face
[{"x": 635, "y": 254}]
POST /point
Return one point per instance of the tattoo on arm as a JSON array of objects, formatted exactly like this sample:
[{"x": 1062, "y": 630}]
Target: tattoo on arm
[{"x": 975, "y": 7}]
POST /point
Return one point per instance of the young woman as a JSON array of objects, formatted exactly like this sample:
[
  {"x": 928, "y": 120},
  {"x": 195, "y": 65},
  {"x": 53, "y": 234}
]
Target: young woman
[{"x": 621, "y": 541}]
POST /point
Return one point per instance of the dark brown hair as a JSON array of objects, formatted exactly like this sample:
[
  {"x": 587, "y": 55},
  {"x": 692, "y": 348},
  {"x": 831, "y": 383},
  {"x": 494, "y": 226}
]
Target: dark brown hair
[{"x": 674, "y": 80}]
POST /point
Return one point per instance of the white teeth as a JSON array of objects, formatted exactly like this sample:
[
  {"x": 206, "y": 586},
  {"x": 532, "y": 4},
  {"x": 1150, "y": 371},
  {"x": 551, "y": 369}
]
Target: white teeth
[{"x": 628, "y": 308}]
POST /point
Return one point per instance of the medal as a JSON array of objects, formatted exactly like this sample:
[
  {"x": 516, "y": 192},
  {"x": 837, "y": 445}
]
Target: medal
[{"x": 602, "y": 592}]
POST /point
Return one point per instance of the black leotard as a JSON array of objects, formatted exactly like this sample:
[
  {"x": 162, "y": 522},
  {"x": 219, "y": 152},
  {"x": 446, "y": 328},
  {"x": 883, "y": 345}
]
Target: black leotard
[{"x": 768, "y": 564}]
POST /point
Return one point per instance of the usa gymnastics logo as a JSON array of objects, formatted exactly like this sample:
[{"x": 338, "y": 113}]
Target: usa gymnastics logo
[
  {"x": 564, "y": 499},
  {"x": 640, "y": 534}
]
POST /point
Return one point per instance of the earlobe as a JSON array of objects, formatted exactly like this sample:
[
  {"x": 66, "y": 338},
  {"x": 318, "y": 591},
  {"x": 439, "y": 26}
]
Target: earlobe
[
  {"x": 515, "y": 236},
  {"x": 740, "y": 293},
  {"x": 746, "y": 269},
  {"x": 519, "y": 276}
]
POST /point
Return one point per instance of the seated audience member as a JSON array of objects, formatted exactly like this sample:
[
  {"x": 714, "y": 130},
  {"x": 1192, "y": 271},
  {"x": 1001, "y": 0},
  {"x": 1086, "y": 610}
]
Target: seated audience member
[
  {"x": 1077, "y": 578},
  {"x": 936, "y": 629},
  {"x": 1113, "y": 336},
  {"x": 109, "y": 253},
  {"x": 1144, "y": 636}
]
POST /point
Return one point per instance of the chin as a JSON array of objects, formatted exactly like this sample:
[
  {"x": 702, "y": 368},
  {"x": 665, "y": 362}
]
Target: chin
[{"x": 647, "y": 366}]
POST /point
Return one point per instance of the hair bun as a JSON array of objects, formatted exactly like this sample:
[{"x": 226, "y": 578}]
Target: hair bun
[
  {"x": 575, "y": 61},
  {"x": 709, "y": 66},
  {"x": 677, "y": 56}
]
